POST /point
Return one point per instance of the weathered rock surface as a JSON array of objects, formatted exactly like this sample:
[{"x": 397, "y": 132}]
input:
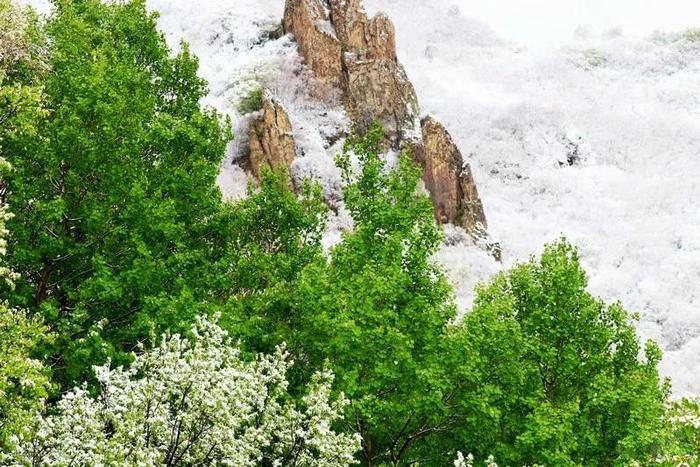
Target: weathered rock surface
[
  {"x": 380, "y": 90},
  {"x": 308, "y": 21},
  {"x": 271, "y": 139},
  {"x": 357, "y": 54},
  {"x": 449, "y": 181},
  {"x": 345, "y": 48},
  {"x": 368, "y": 39}
]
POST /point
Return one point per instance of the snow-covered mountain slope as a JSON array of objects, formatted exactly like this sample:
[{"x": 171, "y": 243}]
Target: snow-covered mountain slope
[
  {"x": 625, "y": 111},
  {"x": 629, "y": 110}
]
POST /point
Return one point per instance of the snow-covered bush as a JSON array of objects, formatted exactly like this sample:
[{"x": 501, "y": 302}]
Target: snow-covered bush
[{"x": 193, "y": 402}]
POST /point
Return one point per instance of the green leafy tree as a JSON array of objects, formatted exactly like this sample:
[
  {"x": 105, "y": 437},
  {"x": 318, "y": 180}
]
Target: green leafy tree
[
  {"x": 552, "y": 375},
  {"x": 22, "y": 70},
  {"x": 684, "y": 419},
  {"x": 24, "y": 383},
  {"x": 114, "y": 193},
  {"x": 23, "y": 380},
  {"x": 270, "y": 238},
  {"x": 375, "y": 311}
]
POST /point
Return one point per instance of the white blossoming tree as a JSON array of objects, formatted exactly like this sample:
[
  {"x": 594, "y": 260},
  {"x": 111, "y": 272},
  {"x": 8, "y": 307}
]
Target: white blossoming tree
[{"x": 193, "y": 402}]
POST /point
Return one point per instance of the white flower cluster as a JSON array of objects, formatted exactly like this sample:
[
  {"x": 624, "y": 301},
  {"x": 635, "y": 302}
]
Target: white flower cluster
[
  {"x": 194, "y": 402},
  {"x": 468, "y": 461}
]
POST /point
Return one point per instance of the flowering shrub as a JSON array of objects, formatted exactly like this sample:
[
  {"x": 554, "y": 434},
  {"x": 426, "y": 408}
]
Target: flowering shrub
[{"x": 193, "y": 402}]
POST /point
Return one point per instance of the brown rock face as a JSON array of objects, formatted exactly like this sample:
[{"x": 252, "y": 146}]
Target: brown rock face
[
  {"x": 308, "y": 21},
  {"x": 271, "y": 140},
  {"x": 448, "y": 180},
  {"x": 380, "y": 90},
  {"x": 357, "y": 54},
  {"x": 368, "y": 39}
]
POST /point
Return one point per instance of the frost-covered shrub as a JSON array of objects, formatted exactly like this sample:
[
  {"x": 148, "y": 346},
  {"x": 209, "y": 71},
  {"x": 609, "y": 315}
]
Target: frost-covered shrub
[
  {"x": 251, "y": 102},
  {"x": 193, "y": 402},
  {"x": 590, "y": 59},
  {"x": 691, "y": 35}
]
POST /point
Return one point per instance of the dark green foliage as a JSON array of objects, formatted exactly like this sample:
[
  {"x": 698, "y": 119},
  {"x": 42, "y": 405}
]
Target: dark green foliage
[
  {"x": 114, "y": 195},
  {"x": 552, "y": 375}
]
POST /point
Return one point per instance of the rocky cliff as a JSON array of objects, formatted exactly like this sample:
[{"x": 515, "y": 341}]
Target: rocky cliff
[
  {"x": 448, "y": 179},
  {"x": 346, "y": 49},
  {"x": 357, "y": 54}
]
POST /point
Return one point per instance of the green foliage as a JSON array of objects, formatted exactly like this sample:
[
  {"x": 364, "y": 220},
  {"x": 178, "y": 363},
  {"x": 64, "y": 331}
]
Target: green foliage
[
  {"x": 22, "y": 68},
  {"x": 24, "y": 382},
  {"x": 374, "y": 312},
  {"x": 251, "y": 102},
  {"x": 113, "y": 194},
  {"x": 377, "y": 311},
  {"x": 271, "y": 237},
  {"x": 553, "y": 375},
  {"x": 22, "y": 44},
  {"x": 684, "y": 419}
]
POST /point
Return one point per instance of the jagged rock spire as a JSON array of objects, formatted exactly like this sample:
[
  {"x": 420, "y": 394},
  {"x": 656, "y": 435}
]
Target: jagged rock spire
[
  {"x": 357, "y": 54},
  {"x": 271, "y": 139},
  {"x": 348, "y": 50}
]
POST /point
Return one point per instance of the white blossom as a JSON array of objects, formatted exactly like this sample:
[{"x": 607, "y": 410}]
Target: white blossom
[{"x": 194, "y": 402}]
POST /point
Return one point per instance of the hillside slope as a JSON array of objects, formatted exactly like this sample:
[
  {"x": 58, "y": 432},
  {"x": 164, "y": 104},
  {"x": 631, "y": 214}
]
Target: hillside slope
[{"x": 598, "y": 140}]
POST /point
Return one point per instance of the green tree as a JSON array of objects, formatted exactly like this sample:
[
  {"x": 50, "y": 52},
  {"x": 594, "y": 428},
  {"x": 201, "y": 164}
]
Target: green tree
[
  {"x": 23, "y": 380},
  {"x": 114, "y": 194},
  {"x": 552, "y": 375},
  {"x": 270, "y": 238},
  {"x": 376, "y": 311},
  {"x": 684, "y": 420},
  {"x": 22, "y": 70},
  {"x": 386, "y": 306}
]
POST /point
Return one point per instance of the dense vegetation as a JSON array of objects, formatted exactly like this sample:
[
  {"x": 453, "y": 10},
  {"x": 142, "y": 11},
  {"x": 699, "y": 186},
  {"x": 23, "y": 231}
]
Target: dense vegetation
[{"x": 145, "y": 321}]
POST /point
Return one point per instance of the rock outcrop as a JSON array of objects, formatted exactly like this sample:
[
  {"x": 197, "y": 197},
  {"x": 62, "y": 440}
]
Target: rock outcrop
[
  {"x": 357, "y": 54},
  {"x": 346, "y": 49},
  {"x": 309, "y": 21},
  {"x": 271, "y": 138},
  {"x": 449, "y": 180}
]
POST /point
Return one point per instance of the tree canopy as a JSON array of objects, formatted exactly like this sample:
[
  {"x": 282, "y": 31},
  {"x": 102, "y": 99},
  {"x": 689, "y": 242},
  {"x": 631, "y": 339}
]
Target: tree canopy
[
  {"x": 114, "y": 191},
  {"x": 124, "y": 272}
]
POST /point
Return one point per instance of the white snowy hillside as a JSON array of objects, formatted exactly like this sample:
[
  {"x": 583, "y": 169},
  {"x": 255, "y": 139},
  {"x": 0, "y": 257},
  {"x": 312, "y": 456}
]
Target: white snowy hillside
[{"x": 595, "y": 136}]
